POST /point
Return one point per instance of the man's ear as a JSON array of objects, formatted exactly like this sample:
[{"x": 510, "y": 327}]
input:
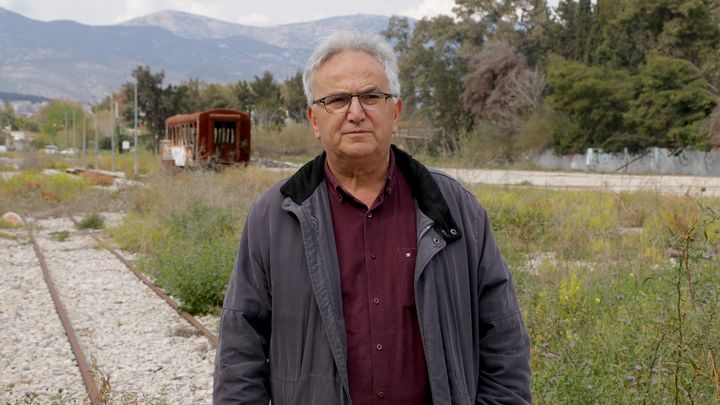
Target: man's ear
[
  {"x": 396, "y": 114},
  {"x": 313, "y": 121}
]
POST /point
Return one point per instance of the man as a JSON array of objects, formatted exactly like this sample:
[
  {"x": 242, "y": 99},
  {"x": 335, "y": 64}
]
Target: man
[{"x": 365, "y": 278}]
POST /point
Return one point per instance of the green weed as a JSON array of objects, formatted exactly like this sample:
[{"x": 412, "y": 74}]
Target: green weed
[
  {"x": 59, "y": 236},
  {"x": 92, "y": 221}
]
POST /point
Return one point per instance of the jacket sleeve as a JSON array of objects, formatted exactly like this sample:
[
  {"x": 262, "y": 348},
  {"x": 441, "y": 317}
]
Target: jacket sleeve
[
  {"x": 504, "y": 376},
  {"x": 241, "y": 361}
]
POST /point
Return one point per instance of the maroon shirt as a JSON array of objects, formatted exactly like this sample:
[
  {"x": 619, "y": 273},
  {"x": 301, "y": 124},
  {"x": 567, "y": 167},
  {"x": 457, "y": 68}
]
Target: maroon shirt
[{"x": 376, "y": 249}]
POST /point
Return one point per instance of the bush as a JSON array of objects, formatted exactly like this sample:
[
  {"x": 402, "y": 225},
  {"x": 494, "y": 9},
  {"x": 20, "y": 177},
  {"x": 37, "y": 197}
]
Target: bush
[
  {"x": 293, "y": 140},
  {"x": 197, "y": 256},
  {"x": 619, "y": 292},
  {"x": 32, "y": 191},
  {"x": 93, "y": 221},
  {"x": 186, "y": 227}
]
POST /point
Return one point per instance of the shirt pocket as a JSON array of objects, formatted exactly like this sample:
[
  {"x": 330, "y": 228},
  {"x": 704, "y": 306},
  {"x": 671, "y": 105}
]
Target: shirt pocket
[{"x": 406, "y": 261}]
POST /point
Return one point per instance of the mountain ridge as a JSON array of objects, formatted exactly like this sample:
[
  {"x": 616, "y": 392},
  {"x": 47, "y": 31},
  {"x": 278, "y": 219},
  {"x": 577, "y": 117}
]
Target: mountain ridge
[{"x": 69, "y": 60}]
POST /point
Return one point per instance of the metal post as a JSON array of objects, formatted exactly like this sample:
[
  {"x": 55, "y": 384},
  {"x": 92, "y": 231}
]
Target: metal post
[
  {"x": 74, "y": 134},
  {"x": 84, "y": 149},
  {"x": 135, "y": 141},
  {"x": 97, "y": 150},
  {"x": 65, "y": 125},
  {"x": 112, "y": 134}
]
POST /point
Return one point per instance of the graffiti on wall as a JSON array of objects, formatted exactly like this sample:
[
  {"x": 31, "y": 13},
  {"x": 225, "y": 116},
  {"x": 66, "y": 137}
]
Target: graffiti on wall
[{"x": 651, "y": 161}]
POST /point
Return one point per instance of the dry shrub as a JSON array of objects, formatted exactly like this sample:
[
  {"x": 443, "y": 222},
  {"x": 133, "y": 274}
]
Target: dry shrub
[
  {"x": 293, "y": 140},
  {"x": 98, "y": 179}
]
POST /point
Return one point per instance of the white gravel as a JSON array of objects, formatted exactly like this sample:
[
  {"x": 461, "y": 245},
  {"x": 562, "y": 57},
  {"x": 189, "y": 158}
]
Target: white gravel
[
  {"x": 35, "y": 356},
  {"x": 148, "y": 353}
]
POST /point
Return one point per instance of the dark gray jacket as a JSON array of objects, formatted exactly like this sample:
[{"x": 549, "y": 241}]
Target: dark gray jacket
[{"x": 282, "y": 334}]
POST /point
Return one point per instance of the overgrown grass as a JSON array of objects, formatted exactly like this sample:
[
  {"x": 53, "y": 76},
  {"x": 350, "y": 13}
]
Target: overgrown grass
[
  {"x": 92, "y": 221},
  {"x": 148, "y": 163},
  {"x": 618, "y": 309},
  {"x": 293, "y": 141},
  {"x": 620, "y": 291},
  {"x": 31, "y": 191},
  {"x": 187, "y": 227}
]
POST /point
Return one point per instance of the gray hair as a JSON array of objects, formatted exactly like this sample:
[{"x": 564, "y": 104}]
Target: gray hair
[{"x": 352, "y": 40}]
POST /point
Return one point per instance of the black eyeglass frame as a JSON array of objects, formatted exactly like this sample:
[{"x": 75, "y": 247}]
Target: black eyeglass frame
[{"x": 358, "y": 95}]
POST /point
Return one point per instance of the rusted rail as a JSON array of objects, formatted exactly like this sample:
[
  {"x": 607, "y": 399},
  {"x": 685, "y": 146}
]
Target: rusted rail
[
  {"x": 189, "y": 318},
  {"x": 85, "y": 371}
]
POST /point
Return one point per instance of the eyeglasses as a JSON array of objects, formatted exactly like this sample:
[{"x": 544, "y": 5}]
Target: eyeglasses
[{"x": 340, "y": 103}]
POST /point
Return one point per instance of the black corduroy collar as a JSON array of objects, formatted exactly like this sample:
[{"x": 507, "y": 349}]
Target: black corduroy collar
[{"x": 425, "y": 190}]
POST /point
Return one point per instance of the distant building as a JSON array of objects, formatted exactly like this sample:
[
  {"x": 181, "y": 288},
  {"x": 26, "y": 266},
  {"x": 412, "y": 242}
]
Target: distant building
[
  {"x": 19, "y": 141},
  {"x": 27, "y": 108}
]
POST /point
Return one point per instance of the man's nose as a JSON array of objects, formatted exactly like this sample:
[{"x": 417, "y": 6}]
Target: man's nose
[{"x": 356, "y": 110}]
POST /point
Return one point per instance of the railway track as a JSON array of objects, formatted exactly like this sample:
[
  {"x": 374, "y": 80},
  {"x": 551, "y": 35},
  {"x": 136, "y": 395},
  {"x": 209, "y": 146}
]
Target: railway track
[{"x": 128, "y": 341}]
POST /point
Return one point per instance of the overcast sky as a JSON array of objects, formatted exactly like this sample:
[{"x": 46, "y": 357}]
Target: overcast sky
[{"x": 250, "y": 12}]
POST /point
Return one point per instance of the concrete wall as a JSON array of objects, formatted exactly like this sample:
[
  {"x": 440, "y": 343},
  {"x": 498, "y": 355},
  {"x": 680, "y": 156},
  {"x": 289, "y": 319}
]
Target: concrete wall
[{"x": 654, "y": 161}]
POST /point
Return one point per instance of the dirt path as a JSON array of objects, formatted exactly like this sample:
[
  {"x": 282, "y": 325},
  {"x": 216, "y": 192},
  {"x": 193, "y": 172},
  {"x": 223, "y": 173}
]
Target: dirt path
[{"x": 612, "y": 182}]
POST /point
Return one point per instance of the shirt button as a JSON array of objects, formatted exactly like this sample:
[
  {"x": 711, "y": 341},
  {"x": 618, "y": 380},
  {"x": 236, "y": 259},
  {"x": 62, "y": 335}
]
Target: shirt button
[
  {"x": 372, "y": 255},
  {"x": 369, "y": 215},
  {"x": 379, "y": 347},
  {"x": 381, "y": 394},
  {"x": 376, "y": 301}
]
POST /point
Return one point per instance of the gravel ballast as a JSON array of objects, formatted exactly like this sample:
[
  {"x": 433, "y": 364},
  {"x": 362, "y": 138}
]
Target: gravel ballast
[{"x": 142, "y": 350}]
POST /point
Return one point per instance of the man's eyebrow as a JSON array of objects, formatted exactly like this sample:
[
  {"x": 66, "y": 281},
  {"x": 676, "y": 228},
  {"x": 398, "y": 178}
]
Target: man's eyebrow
[{"x": 344, "y": 93}]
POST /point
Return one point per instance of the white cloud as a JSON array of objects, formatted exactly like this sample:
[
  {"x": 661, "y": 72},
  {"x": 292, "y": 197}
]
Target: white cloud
[
  {"x": 429, "y": 8},
  {"x": 137, "y": 8},
  {"x": 204, "y": 8}
]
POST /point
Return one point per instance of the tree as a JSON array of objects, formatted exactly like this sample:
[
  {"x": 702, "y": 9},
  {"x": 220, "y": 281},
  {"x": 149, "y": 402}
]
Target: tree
[
  {"x": 153, "y": 103},
  {"x": 576, "y": 32},
  {"x": 672, "y": 103},
  {"x": 683, "y": 29},
  {"x": 217, "y": 96},
  {"x": 293, "y": 97},
  {"x": 267, "y": 104},
  {"x": 500, "y": 88},
  {"x": 594, "y": 98},
  {"x": 244, "y": 95},
  {"x": 431, "y": 72}
]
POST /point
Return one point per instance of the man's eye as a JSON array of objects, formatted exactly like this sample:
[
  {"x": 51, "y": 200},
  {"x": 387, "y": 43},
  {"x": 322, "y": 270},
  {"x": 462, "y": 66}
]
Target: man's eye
[
  {"x": 371, "y": 98},
  {"x": 337, "y": 100}
]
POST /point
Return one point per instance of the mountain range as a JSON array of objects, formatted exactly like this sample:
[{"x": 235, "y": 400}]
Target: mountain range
[{"x": 68, "y": 60}]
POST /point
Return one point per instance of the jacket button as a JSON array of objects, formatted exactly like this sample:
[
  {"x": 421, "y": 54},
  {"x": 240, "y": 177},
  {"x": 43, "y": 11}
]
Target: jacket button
[
  {"x": 436, "y": 241},
  {"x": 453, "y": 232}
]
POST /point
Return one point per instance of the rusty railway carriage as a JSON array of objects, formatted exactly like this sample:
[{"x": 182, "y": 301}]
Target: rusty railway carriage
[{"x": 212, "y": 139}]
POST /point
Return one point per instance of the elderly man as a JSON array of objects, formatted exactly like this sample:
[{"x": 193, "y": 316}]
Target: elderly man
[{"x": 365, "y": 278}]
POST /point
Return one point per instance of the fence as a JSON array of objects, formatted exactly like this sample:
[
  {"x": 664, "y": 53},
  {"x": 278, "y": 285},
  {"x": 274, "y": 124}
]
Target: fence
[{"x": 653, "y": 161}]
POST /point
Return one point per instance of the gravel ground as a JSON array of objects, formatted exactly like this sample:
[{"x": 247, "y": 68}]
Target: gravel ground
[
  {"x": 35, "y": 356},
  {"x": 146, "y": 351}
]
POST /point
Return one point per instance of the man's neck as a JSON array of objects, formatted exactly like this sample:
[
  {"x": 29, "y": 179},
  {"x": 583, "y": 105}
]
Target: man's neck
[{"x": 364, "y": 180}]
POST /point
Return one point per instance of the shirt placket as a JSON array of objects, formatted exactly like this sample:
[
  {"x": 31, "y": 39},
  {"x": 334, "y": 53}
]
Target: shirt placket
[{"x": 376, "y": 302}]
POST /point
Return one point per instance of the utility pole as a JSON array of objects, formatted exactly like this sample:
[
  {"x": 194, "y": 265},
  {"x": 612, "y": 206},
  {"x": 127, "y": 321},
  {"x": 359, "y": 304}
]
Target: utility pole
[
  {"x": 74, "y": 134},
  {"x": 65, "y": 125},
  {"x": 84, "y": 149},
  {"x": 112, "y": 133},
  {"x": 97, "y": 151},
  {"x": 135, "y": 142}
]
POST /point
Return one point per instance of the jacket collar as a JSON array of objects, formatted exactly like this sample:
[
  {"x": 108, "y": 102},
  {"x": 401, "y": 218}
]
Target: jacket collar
[{"x": 425, "y": 190}]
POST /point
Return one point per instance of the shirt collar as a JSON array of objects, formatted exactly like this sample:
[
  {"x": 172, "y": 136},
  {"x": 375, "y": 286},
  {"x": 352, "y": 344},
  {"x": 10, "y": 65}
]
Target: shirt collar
[{"x": 341, "y": 194}]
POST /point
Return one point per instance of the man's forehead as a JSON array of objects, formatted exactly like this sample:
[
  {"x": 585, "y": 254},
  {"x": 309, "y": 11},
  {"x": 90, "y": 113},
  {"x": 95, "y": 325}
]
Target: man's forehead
[{"x": 354, "y": 68}]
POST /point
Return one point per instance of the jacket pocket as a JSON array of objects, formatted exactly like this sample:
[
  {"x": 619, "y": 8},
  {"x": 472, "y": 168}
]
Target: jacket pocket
[{"x": 406, "y": 266}]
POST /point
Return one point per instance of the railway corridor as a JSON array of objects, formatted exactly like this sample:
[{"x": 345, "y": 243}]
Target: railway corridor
[{"x": 137, "y": 346}]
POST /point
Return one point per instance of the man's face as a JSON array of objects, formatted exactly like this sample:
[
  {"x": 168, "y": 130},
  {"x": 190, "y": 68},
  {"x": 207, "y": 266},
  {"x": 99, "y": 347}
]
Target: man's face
[{"x": 356, "y": 134}]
